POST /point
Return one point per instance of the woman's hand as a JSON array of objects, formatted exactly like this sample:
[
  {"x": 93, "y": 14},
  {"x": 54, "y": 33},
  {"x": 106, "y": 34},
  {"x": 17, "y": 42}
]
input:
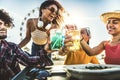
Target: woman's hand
[
  {"x": 47, "y": 47},
  {"x": 68, "y": 42}
]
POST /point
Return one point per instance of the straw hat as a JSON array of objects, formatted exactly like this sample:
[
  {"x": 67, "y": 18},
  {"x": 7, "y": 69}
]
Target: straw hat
[{"x": 107, "y": 15}]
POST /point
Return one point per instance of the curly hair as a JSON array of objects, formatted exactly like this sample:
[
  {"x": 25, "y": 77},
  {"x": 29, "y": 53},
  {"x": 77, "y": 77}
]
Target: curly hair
[
  {"x": 59, "y": 19},
  {"x": 4, "y": 16}
]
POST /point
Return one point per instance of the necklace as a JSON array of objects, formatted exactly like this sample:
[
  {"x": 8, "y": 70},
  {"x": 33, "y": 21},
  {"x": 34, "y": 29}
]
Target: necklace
[{"x": 40, "y": 23}]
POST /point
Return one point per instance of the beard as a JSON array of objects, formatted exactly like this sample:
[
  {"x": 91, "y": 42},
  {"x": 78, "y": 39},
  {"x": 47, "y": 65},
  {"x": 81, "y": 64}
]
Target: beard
[{"x": 3, "y": 36}]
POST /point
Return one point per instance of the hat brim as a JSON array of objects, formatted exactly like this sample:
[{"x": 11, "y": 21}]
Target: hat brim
[{"x": 105, "y": 16}]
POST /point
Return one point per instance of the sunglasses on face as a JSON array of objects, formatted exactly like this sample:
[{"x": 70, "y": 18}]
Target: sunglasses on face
[{"x": 52, "y": 10}]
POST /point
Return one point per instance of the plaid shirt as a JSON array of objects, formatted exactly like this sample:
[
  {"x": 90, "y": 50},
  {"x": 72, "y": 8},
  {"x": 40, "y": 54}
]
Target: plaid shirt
[{"x": 10, "y": 53}]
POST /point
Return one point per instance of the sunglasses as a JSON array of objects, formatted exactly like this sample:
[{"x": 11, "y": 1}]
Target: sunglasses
[{"x": 52, "y": 10}]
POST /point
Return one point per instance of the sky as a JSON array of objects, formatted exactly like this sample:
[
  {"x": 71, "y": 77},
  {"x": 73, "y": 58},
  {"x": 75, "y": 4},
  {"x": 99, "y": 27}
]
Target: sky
[{"x": 84, "y": 13}]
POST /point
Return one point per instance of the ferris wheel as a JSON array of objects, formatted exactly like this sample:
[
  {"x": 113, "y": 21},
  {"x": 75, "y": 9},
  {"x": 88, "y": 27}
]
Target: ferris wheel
[{"x": 34, "y": 13}]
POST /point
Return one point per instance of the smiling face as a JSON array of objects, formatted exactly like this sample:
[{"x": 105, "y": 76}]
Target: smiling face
[
  {"x": 49, "y": 13},
  {"x": 113, "y": 26},
  {"x": 3, "y": 30}
]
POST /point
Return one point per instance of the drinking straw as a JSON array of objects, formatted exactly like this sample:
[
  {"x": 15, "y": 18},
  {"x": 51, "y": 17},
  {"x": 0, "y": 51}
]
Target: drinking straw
[{"x": 55, "y": 42}]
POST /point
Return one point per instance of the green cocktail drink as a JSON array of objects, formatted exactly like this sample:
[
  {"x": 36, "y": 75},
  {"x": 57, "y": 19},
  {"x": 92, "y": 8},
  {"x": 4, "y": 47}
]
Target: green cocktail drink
[{"x": 56, "y": 39}]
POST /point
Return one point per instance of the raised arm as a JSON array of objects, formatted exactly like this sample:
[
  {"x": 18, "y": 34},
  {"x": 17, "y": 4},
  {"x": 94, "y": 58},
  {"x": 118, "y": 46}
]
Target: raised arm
[{"x": 92, "y": 51}]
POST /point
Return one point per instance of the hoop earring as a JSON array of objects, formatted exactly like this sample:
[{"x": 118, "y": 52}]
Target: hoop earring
[
  {"x": 48, "y": 26},
  {"x": 40, "y": 23}
]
